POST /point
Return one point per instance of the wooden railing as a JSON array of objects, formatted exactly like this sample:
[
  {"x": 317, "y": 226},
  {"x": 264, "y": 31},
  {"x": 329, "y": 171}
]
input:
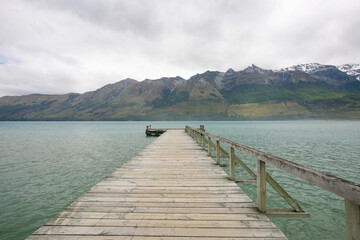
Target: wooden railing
[{"x": 346, "y": 189}]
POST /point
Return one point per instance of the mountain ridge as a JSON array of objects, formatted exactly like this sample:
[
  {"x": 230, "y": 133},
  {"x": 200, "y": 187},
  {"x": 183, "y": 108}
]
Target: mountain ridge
[{"x": 305, "y": 91}]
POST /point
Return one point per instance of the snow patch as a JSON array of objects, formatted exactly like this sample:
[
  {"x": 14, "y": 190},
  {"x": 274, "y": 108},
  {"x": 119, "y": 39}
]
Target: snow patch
[
  {"x": 351, "y": 69},
  {"x": 306, "y": 67}
]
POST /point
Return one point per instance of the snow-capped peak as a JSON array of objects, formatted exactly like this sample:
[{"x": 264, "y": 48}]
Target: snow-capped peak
[
  {"x": 351, "y": 69},
  {"x": 306, "y": 67}
]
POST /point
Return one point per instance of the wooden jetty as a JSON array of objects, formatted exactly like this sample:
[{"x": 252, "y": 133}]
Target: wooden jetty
[
  {"x": 172, "y": 189},
  {"x": 155, "y": 132}
]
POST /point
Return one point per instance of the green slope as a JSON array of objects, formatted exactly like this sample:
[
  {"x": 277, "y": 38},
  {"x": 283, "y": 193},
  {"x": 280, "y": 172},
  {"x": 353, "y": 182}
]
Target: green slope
[{"x": 302, "y": 100}]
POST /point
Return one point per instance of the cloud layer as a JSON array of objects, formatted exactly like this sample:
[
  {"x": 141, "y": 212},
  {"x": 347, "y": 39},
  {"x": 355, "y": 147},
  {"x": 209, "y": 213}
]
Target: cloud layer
[{"x": 76, "y": 46}]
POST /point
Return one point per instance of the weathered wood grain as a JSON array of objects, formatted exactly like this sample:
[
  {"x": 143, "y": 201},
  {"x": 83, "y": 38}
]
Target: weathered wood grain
[
  {"x": 171, "y": 190},
  {"x": 87, "y": 237},
  {"x": 343, "y": 188}
]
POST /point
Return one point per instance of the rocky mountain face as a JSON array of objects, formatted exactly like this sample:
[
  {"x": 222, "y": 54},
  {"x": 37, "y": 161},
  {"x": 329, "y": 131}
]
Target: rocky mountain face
[{"x": 306, "y": 91}]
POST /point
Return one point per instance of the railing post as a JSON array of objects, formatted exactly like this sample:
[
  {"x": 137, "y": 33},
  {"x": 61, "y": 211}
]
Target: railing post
[
  {"x": 232, "y": 164},
  {"x": 209, "y": 146},
  {"x": 352, "y": 220},
  {"x": 203, "y": 140},
  {"x": 261, "y": 185},
  {"x": 217, "y": 152}
]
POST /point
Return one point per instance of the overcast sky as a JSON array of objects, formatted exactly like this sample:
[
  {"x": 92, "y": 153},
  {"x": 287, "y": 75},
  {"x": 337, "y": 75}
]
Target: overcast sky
[{"x": 63, "y": 46}]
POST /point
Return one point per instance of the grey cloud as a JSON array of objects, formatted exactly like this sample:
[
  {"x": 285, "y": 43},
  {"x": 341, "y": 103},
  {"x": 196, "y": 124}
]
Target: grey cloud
[
  {"x": 76, "y": 46},
  {"x": 135, "y": 17}
]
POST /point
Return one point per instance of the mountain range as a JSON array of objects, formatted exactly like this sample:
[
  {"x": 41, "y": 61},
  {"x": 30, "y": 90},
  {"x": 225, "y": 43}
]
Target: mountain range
[{"x": 305, "y": 91}]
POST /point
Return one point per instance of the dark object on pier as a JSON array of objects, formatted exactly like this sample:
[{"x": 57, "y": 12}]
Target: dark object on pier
[{"x": 154, "y": 132}]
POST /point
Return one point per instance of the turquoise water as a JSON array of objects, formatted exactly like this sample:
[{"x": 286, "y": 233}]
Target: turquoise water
[{"x": 45, "y": 166}]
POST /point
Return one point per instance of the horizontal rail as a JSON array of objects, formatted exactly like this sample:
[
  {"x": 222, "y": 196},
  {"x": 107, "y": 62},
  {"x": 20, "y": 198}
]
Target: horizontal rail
[{"x": 344, "y": 188}]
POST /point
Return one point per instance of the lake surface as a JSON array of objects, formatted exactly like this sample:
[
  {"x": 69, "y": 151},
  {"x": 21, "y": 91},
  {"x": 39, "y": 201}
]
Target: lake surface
[{"x": 45, "y": 166}]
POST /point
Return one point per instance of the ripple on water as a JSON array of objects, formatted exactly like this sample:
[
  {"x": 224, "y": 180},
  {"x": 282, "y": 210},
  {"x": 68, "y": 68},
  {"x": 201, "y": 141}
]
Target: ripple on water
[{"x": 45, "y": 166}]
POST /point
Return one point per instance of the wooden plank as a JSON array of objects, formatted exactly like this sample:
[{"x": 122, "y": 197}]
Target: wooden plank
[
  {"x": 170, "y": 190},
  {"x": 158, "y": 231},
  {"x": 163, "y": 184},
  {"x": 163, "y": 204},
  {"x": 179, "y": 200},
  {"x": 162, "y": 210},
  {"x": 99, "y": 189},
  {"x": 87, "y": 237},
  {"x": 168, "y": 176},
  {"x": 287, "y": 213},
  {"x": 163, "y": 223},
  {"x": 164, "y": 216},
  {"x": 152, "y": 191},
  {"x": 166, "y": 195}
]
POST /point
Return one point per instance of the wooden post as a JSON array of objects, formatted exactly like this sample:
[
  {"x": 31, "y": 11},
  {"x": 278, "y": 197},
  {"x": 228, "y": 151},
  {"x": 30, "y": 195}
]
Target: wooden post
[
  {"x": 352, "y": 220},
  {"x": 217, "y": 152},
  {"x": 232, "y": 164},
  {"x": 203, "y": 140},
  {"x": 209, "y": 146},
  {"x": 261, "y": 186}
]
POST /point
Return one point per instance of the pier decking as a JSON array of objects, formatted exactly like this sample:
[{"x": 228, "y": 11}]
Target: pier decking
[{"x": 171, "y": 190}]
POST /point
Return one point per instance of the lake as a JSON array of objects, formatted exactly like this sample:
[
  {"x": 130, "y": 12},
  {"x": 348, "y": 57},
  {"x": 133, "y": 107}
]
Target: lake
[{"x": 45, "y": 166}]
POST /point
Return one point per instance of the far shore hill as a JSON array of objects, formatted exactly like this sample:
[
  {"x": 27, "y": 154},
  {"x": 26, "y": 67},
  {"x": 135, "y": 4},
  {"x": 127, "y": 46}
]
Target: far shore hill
[{"x": 306, "y": 91}]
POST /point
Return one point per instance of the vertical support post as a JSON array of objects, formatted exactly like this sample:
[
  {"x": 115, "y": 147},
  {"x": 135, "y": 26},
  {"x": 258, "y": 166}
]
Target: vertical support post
[
  {"x": 209, "y": 146},
  {"x": 217, "y": 152},
  {"x": 261, "y": 186},
  {"x": 203, "y": 140},
  {"x": 232, "y": 164},
  {"x": 352, "y": 220}
]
